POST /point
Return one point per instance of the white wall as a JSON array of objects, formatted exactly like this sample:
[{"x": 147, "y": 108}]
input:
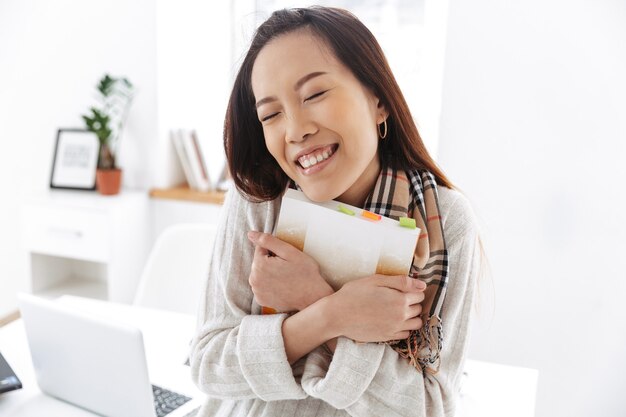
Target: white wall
[
  {"x": 52, "y": 54},
  {"x": 194, "y": 79},
  {"x": 533, "y": 129}
]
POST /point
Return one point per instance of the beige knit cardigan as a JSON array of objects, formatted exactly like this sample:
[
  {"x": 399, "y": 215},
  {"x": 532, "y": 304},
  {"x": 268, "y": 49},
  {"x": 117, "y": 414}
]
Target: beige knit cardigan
[{"x": 238, "y": 357}]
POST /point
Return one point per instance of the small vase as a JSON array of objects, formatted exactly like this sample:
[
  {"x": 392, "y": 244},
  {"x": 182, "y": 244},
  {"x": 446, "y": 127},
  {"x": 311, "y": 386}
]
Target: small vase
[{"x": 108, "y": 181}]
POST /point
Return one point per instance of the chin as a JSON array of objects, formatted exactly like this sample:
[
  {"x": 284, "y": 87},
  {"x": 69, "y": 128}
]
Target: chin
[{"x": 319, "y": 194}]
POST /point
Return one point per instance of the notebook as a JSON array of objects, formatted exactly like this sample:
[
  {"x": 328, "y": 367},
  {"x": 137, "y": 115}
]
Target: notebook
[{"x": 346, "y": 241}]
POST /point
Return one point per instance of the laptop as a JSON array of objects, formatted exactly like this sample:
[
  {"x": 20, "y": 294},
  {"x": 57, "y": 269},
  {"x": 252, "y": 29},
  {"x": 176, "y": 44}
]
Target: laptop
[
  {"x": 8, "y": 380},
  {"x": 95, "y": 364}
]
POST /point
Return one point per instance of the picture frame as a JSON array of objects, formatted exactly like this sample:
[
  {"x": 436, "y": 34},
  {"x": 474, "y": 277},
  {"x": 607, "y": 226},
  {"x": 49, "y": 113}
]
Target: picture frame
[{"x": 75, "y": 160}]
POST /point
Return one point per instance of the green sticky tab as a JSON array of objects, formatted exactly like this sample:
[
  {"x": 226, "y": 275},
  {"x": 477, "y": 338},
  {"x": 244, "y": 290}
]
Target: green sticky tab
[
  {"x": 407, "y": 222},
  {"x": 345, "y": 210}
]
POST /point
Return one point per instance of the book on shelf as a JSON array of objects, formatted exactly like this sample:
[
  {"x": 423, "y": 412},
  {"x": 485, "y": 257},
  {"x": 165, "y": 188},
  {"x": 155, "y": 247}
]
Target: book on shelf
[
  {"x": 191, "y": 158},
  {"x": 182, "y": 157},
  {"x": 198, "y": 165},
  {"x": 346, "y": 241}
]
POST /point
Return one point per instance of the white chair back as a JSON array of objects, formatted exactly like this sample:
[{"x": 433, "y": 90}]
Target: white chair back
[{"x": 177, "y": 267}]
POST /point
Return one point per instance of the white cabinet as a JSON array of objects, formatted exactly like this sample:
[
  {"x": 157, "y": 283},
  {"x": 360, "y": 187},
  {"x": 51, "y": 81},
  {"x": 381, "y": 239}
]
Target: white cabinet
[{"x": 86, "y": 244}]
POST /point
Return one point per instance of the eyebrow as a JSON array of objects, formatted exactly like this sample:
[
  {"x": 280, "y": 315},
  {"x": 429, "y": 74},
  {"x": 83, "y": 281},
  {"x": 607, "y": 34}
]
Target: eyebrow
[{"x": 298, "y": 85}]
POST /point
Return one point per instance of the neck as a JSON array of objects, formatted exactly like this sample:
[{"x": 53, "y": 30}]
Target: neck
[{"x": 358, "y": 192}]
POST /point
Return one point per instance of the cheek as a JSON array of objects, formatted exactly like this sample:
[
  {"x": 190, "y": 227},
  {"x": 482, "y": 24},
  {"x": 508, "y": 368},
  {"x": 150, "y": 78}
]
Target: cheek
[
  {"x": 355, "y": 120},
  {"x": 276, "y": 147},
  {"x": 358, "y": 133},
  {"x": 271, "y": 142},
  {"x": 362, "y": 145}
]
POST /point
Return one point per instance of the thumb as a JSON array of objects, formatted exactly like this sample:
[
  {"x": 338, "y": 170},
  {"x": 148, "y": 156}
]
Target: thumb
[
  {"x": 402, "y": 283},
  {"x": 273, "y": 244}
]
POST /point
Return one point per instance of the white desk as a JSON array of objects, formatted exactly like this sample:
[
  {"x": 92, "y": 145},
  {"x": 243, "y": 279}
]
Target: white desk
[
  {"x": 494, "y": 390},
  {"x": 489, "y": 390},
  {"x": 166, "y": 337}
]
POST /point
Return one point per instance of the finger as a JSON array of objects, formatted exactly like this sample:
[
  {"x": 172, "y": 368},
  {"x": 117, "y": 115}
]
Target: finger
[
  {"x": 401, "y": 283},
  {"x": 414, "y": 297},
  {"x": 415, "y": 323},
  {"x": 400, "y": 335},
  {"x": 260, "y": 252},
  {"x": 414, "y": 310},
  {"x": 263, "y": 258},
  {"x": 257, "y": 265},
  {"x": 273, "y": 244}
]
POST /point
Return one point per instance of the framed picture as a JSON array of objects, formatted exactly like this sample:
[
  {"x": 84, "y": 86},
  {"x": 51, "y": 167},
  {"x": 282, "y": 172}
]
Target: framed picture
[{"x": 75, "y": 160}]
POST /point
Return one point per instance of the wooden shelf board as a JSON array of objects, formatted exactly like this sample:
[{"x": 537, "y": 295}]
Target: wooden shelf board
[
  {"x": 9, "y": 318},
  {"x": 184, "y": 193}
]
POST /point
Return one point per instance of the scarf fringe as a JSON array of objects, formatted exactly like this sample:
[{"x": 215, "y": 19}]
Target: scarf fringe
[{"x": 422, "y": 348}]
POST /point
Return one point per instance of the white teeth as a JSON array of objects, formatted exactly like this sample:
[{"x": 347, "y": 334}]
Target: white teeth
[{"x": 313, "y": 159}]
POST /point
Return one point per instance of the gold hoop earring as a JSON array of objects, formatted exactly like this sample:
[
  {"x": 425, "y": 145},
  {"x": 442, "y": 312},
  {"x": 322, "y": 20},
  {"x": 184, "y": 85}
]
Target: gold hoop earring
[{"x": 384, "y": 134}]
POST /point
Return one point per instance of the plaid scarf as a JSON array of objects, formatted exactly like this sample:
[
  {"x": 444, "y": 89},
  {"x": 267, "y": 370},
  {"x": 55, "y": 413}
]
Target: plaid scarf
[{"x": 414, "y": 194}]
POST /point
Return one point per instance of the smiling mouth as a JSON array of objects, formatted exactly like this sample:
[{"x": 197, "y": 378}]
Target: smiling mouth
[{"x": 317, "y": 156}]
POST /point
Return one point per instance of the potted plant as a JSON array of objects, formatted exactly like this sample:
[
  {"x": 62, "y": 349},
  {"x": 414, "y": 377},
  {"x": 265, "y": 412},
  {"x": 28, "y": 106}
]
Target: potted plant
[{"x": 107, "y": 121}]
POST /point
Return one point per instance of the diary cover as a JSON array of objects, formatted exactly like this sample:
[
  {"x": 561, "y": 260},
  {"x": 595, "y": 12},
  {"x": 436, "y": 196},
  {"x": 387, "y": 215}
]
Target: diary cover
[{"x": 347, "y": 242}]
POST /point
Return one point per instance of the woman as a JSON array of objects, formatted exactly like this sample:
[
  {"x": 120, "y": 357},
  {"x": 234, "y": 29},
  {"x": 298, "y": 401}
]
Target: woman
[{"x": 315, "y": 106}]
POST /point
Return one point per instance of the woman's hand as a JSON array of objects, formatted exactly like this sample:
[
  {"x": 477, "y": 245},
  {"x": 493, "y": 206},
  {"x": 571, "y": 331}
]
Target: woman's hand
[
  {"x": 378, "y": 308},
  {"x": 282, "y": 277}
]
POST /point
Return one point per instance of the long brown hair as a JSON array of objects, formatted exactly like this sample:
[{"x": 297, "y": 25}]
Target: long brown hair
[{"x": 255, "y": 172}]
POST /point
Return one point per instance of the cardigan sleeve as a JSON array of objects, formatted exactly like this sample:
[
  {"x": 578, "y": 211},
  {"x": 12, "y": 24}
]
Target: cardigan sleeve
[
  {"x": 370, "y": 379},
  {"x": 237, "y": 353}
]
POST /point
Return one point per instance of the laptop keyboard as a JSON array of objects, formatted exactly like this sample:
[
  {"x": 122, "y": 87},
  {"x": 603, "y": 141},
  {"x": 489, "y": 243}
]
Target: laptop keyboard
[
  {"x": 166, "y": 401},
  {"x": 193, "y": 412}
]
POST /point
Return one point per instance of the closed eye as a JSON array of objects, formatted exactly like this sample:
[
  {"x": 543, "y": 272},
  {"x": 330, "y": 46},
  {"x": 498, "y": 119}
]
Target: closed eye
[
  {"x": 269, "y": 116},
  {"x": 315, "y": 95}
]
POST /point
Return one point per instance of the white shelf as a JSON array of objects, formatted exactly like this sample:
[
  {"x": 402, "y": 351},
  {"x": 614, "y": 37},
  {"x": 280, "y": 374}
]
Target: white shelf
[
  {"x": 76, "y": 287},
  {"x": 86, "y": 244}
]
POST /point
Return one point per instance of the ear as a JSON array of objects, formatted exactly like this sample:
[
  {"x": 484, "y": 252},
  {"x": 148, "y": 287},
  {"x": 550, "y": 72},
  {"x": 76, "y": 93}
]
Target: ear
[{"x": 381, "y": 112}]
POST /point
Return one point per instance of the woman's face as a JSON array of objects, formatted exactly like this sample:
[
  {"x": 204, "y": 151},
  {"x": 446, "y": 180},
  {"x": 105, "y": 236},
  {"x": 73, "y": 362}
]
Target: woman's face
[{"x": 319, "y": 121}]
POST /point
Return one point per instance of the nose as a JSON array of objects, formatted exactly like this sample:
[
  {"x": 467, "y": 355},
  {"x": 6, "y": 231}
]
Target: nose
[{"x": 299, "y": 127}]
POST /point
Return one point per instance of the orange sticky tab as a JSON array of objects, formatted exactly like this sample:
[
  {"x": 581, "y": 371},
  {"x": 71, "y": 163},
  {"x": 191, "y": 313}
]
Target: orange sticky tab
[
  {"x": 370, "y": 215},
  {"x": 268, "y": 310}
]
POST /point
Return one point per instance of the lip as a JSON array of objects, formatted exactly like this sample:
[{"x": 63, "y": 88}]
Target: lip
[
  {"x": 311, "y": 149},
  {"x": 317, "y": 167}
]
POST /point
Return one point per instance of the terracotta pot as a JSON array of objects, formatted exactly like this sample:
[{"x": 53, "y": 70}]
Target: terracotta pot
[{"x": 108, "y": 181}]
